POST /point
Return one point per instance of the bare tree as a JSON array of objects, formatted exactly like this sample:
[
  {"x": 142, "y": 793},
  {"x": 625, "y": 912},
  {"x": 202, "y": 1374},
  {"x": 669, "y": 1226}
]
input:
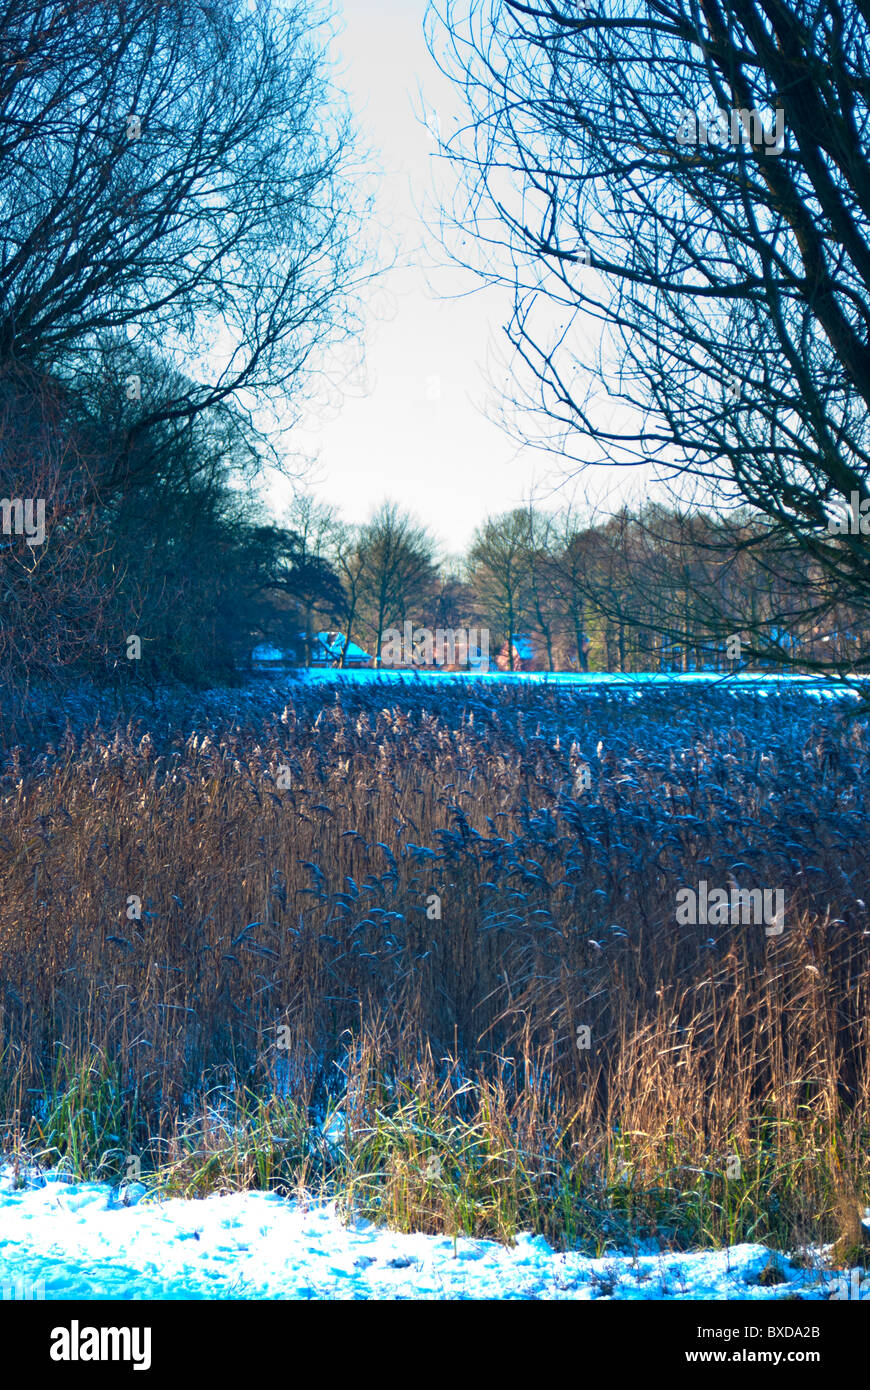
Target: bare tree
[
  {"x": 175, "y": 178},
  {"x": 349, "y": 560},
  {"x": 313, "y": 580},
  {"x": 55, "y": 589},
  {"x": 571, "y": 568},
  {"x": 499, "y": 568},
  {"x": 686, "y": 181},
  {"x": 397, "y": 570},
  {"x": 543, "y": 600}
]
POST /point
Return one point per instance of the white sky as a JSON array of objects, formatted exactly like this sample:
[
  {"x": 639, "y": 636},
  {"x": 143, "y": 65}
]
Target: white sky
[{"x": 415, "y": 431}]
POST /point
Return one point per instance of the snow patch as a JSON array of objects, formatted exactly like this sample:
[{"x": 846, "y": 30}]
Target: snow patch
[{"x": 84, "y": 1241}]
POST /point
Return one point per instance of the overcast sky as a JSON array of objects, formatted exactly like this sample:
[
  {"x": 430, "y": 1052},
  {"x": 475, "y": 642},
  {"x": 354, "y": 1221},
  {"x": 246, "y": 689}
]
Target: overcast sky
[{"x": 414, "y": 430}]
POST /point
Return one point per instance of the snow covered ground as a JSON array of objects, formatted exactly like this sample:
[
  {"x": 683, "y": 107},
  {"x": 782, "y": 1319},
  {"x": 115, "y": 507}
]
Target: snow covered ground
[{"x": 62, "y": 1240}]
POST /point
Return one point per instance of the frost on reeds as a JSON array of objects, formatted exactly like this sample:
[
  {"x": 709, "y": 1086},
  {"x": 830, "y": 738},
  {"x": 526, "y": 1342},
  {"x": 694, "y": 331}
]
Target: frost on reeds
[{"x": 405, "y": 905}]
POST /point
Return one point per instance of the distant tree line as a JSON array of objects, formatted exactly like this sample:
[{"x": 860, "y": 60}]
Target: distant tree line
[{"x": 636, "y": 591}]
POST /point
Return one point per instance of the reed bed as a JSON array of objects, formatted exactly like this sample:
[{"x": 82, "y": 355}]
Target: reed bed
[{"x": 371, "y": 921}]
